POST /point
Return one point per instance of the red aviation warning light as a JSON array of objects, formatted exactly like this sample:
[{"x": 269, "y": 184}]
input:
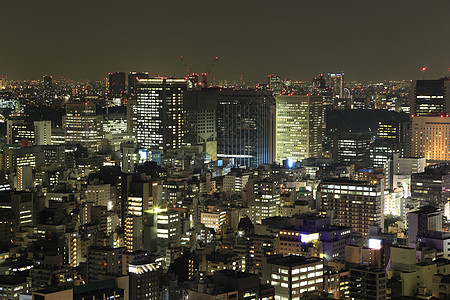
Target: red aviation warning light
[{"x": 423, "y": 72}]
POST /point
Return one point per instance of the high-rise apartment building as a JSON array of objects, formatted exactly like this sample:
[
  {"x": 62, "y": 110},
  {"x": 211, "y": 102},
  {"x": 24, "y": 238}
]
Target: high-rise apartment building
[
  {"x": 245, "y": 122},
  {"x": 42, "y": 133},
  {"x": 430, "y": 138},
  {"x": 299, "y": 132},
  {"x": 24, "y": 178},
  {"x": 355, "y": 204},
  {"x": 80, "y": 124},
  {"x": 430, "y": 97},
  {"x": 158, "y": 113}
]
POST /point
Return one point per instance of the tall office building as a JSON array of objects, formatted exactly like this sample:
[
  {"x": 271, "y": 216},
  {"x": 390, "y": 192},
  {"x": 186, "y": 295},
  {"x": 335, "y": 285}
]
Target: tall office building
[
  {"x": 391, "y": 132},
  {"x": 275, "y": 84},
  {"x": 136, "y": 197},
  {"x": 3, "y": 80},
  {"x": 133, "y": 232},
  {"x": 102, "y": 260},
  {"x": 21, "y": 205},
  {"x": 116, "y": 84},
  {"x": 133, "y": 80},
  {"x": 351, "y": 148},
  {"x": 430, "y": 138},
  {"x": 336, "y": 84},
  {"x": 408, "y": 165},
  {"x": 367, "y": 283},
  {"x": 168, "y": 226},
  {"x": 18, "y": 130},
  {"x": 422, "y": 221},
  {"x": 432, "y": 185},
  {"x": 299, "y": 132},
  {"x": 266, "y": 200},
  {"x": 101, "y": 194},
  {"x": 24, "y": 178},
  {"x": 144, "y": 280},
  {"x": 355, "y": 204},
  {"x": 245, "y": 127},
  {"x": 158, "y": 113},
  {"x": 430, "y": 97},
  {"x": 80, "y": 124},
  {"x": 42, "y": 133},
  {"x": 200, "y": 107},
  {"x": 47, "y": 93},
  {"x": 294, "y": 275}
]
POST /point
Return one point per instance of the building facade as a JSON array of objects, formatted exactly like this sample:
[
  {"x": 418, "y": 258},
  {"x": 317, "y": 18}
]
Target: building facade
[
  {"x": 158, "y": 113},
  {"x": 299, "y": 132},
  {"x": 355, "y": 204}
]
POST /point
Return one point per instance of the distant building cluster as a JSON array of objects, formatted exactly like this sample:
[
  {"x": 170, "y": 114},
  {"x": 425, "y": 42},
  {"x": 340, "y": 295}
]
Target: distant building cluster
[{"x": 142, "y": 187}]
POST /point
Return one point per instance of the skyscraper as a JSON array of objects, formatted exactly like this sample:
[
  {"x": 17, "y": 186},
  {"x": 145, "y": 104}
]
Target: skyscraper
[
  {"x": 80, "y": 124},
  {"x": 430, "y": 138},
  {"x": 430, "y": 97},
  {"x": 336, "y": 84},
  {"x": 200, "y": 109},
  {"x": 47, "y": 95},
  {"x": 133, "y": 80},
  {"x": 245, "y": 122},
  {"x": 275, "y": 84},
  {"x": 136, "y": 199},
  {"x": 159, "y": 113},
  {"x": 116, "y": 84},
  {"x": 299, "y": 131}
]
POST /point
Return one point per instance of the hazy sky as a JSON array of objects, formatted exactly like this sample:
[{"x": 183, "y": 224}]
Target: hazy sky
[{"x": 368, "y": 39}]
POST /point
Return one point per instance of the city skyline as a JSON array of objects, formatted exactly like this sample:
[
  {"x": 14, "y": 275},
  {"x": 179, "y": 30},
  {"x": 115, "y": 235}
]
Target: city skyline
[
  {"x": 295, "y": 40},
  {"x": 270, "y": 150}
]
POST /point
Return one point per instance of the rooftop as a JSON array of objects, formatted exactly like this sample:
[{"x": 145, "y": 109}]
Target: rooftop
[
  {"x": 293, "y": 260},
  {"x": 428, "y": 209},
  {"x": 235, "y": 274}
]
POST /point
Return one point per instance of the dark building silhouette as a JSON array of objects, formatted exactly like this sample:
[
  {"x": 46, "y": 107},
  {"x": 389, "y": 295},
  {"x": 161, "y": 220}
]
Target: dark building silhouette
[
  {"x": 116, "y": 84},
  {"x": 245, "y": 127},
  {"x": 132, "y": 81},
  {"x": 430, "y": 97}
]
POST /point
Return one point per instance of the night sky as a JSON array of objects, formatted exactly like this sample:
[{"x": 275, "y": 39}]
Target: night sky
[{"x": 368, "y": 39}]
